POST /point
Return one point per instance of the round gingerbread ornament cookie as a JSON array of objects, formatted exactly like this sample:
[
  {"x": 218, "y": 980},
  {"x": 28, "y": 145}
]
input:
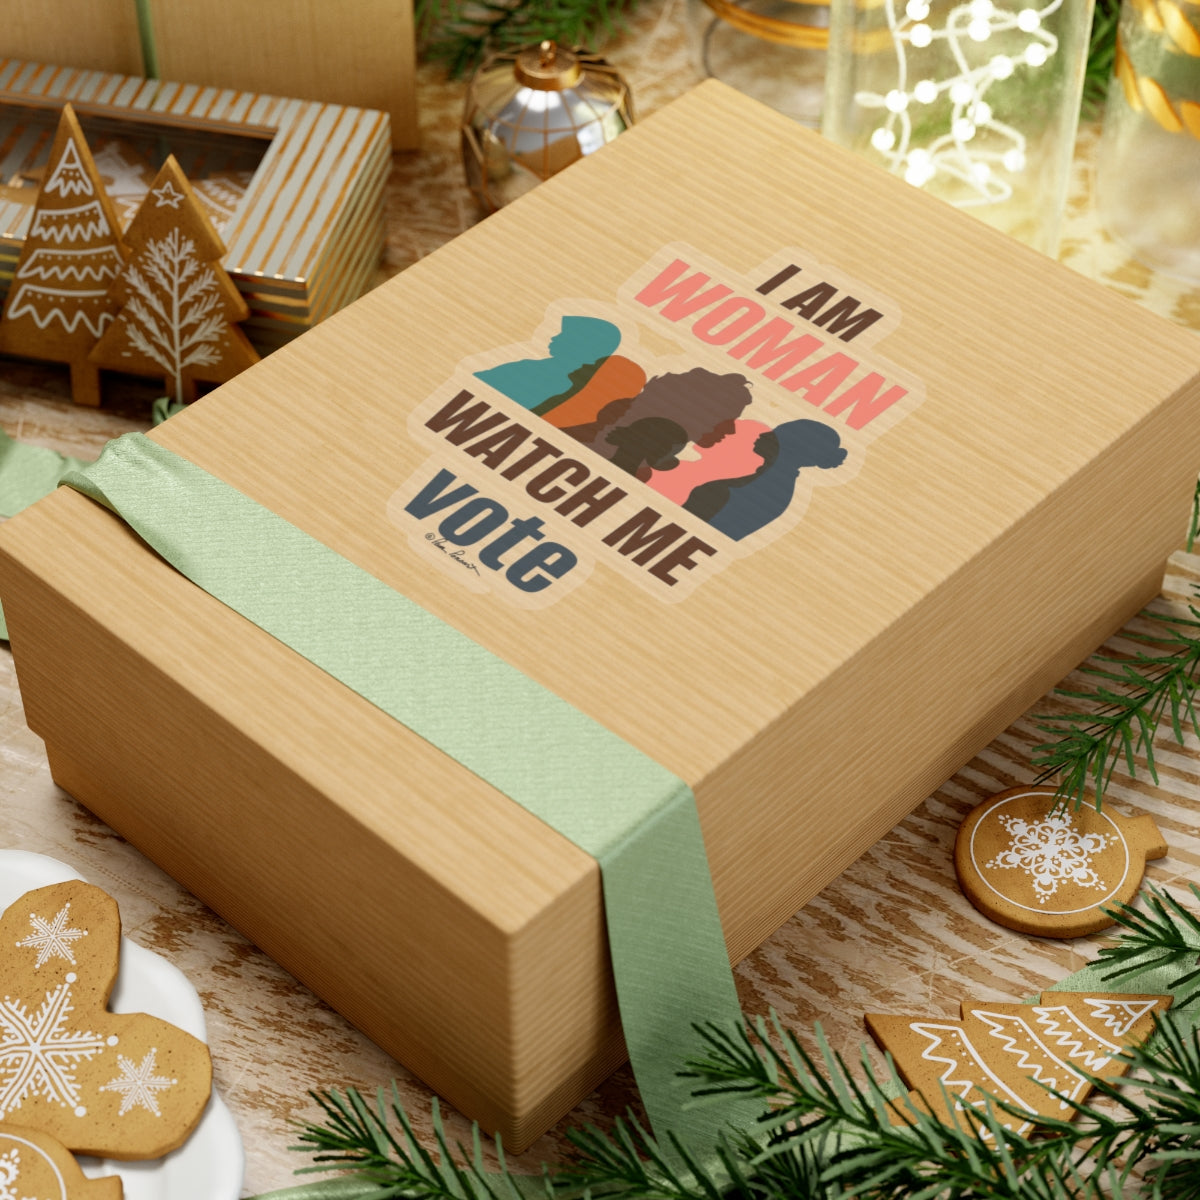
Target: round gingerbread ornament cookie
[
  {"x": 1049, "y": 871},
  {"x": 33, "y": 1166}
]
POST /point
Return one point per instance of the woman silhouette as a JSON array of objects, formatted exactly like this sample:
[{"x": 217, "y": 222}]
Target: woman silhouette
[
  {"x": 647, "y": 445},
  {"x": 616, "y": 378},
  {"x": 733, "y": 457},
  {"x": 740, "y": 507},
  {"x": 573, "y": 355},
  {"x": 704, "y": 403}
]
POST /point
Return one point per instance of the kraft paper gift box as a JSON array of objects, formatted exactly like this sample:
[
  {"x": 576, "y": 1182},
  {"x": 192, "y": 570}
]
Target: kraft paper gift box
[
  {"x": 791, "y": 476},
  {"x": 359, "y": 53}
]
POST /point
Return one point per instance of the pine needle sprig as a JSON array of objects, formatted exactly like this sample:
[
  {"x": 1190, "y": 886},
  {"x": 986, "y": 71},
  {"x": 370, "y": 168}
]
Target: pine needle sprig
[
  {"x": 1162, "y": 1134},
  {"x": 821, "y": 1106},
  {"x": 629, "y": 1162},
  {"x": 359, "y": 1137},
  {"x": 458, "y": 33},
  {"x": 1194, "y": 523},
  {"x": 1123, "y": 723},
  {"x": 826, "y": 1132},
  {"x": 1102, "y": 53},
  {"x": 1164, "y": 934}
]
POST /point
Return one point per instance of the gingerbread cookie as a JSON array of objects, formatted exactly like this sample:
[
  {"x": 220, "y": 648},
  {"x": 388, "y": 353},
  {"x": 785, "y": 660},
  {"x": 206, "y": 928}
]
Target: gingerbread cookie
[
  {"x": 33, "y": 1166},
  {"x": 1015, "y": 1052},
  {"x": 124, "y": 1086},
  {"x": 1050, "y": 873}
]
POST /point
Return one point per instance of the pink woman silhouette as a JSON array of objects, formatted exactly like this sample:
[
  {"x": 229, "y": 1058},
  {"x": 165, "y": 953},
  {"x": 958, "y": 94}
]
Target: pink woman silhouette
[{"x": 730, "y": 458}]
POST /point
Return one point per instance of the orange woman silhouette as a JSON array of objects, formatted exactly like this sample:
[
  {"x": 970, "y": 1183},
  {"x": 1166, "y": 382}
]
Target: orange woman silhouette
[{"x": 616, "y": 378}]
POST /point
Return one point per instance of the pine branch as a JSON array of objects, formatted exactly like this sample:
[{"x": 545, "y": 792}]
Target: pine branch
[
  {"x": 629, "y": 1162},
  {"x": 1162, "y": 1134},
  {"x": 458, "y": 33},
  {"x": 1152, "y": 685},
  {"x": 1102, "y": 53},
  {"x": 827, "y": 1134},
  {"x": 1194, "y": 524},
  {"x": 358, "y": 1136},
  {"x": 823, "y": 1105},
  {"x": 1167, "y": 935}
]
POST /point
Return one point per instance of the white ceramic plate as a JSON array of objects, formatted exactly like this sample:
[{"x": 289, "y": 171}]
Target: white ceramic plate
[{"x": 210, "y": 1164}]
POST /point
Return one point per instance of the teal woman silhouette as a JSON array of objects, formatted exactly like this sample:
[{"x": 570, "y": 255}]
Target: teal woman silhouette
[
  {"x": 740, "y": 507},
  {"x": 575, "y": 352}
]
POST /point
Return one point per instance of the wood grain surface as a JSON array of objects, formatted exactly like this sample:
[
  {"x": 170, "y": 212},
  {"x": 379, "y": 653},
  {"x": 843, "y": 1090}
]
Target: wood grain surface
[{"x": 891, "y": 934}]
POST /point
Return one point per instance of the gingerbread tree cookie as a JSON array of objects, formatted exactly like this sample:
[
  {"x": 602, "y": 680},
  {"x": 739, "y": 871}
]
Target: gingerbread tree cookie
[
  {"x": 124, "y": 1086},
  {"x": 178, "y": 309},
  {"x": 36, "y": 1167},
  {"x": 58, "y": 304},
  {"x": 1038, "y": 868},
  {"x": 1015, "y": 1052}
]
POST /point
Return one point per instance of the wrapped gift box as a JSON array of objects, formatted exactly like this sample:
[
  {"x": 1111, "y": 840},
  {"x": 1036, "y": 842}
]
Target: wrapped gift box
[
  {"x": 799, "y": 481},
  {"x": 359, "y": 53}
]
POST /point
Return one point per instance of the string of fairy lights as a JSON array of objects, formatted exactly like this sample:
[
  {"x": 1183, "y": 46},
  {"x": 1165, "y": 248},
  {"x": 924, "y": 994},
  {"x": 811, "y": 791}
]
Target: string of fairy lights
[{"x": 976, "y": 149}]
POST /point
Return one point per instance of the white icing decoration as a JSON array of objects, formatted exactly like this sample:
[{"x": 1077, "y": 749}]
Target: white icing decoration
[
  {"x": 39, "y": 1049},
  {"x": 53, "y": 938},
  {"x": 1051, "y": 851},
  {"x": 138, "y": 1084}
]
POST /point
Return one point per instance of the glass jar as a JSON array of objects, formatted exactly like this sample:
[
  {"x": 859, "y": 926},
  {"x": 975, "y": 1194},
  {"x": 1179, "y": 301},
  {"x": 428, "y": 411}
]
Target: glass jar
[
  {"x": 1148, "y": 166},
  {"x": 772, "y": 50},
  {"x": 976, "y": 101}
]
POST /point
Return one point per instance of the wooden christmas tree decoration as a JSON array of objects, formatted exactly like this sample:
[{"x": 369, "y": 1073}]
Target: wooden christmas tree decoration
[
  {"x": 178, "y": 310},
  {"x": 1015, "y": 1052},
  {"x": 58, "y": 304}
]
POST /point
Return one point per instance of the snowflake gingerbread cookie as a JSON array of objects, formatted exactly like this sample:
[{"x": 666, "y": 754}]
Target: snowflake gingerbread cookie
[
  {"x": 1038, "y": 868},
  {"x": 123, "y": 1086},
  {"x": 36, "y": 1167}
]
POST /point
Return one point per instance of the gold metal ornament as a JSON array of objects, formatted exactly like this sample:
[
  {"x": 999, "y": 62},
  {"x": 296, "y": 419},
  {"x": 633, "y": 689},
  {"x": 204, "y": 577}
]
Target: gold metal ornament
[{"x": 531, "y": 112}]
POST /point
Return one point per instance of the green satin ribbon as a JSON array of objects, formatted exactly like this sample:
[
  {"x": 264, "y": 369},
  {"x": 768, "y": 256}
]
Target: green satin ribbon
[
  {"x": 146, "y": 36},
  {"x": 633, "y": 816}
]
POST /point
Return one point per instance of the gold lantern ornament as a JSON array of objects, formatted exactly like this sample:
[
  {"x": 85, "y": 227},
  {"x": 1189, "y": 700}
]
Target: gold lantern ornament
[{"x": 531, "y": 112}]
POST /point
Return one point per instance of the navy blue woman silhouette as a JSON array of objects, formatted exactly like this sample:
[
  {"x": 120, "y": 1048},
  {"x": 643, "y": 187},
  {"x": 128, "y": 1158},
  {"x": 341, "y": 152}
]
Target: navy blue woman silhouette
[
  {"x": 575, "y": 352},
  {"x": 740, "y": 507}
]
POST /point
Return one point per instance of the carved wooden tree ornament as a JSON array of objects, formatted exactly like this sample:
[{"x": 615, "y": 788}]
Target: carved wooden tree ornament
[
  {"x": 178, "y": 309},
  {"x": 59, "y": 303}
]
